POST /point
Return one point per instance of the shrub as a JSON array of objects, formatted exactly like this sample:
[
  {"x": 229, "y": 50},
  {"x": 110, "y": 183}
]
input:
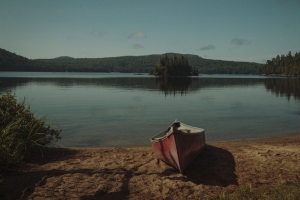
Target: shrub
[{"x": 21, "y": 133}]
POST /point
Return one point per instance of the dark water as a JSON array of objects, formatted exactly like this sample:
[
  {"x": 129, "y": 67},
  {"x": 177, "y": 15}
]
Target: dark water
[{"x": 96, "y": 109}]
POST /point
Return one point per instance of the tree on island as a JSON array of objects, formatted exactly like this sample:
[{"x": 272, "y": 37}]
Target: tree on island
[{"x": 173, "y": 66}]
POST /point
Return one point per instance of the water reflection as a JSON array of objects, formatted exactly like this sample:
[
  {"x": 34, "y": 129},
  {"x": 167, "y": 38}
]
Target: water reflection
[
  {"x": 122, "y": 83},
  {"x": 289, "y": 87},
  {"x": 172, "y": 85},
  {"x": 169, "y": 84},
  {"x": 11, "y": 83},
  {"x": 108, "y": 111}
]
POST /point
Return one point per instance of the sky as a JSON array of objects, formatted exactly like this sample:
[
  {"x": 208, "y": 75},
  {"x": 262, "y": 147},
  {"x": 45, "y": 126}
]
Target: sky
[{"x": 235, "y": 30}]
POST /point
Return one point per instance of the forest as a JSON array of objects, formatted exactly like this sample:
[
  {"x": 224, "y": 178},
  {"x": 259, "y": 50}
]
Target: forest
[
  {"x": 173, "y": 66},
  {"x": 288, "y": 65},
  {"x": 131, "y": 64}
]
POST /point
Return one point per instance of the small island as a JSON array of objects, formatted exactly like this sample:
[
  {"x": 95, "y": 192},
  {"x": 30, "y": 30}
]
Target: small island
[{"x": 173, "y": 66}]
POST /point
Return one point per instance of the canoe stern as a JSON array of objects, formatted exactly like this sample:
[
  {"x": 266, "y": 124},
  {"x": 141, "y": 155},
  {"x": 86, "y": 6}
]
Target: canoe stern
[{"x": 178, "y": 145}]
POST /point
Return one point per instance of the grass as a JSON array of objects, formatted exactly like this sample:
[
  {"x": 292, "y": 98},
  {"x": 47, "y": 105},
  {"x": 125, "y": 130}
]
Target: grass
[
  {"x": 286, "y": 191},
  {"x": 21, "y": 133}
]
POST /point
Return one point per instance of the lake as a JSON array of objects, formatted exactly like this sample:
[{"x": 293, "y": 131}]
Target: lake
[{"x": 117, "y": 109}]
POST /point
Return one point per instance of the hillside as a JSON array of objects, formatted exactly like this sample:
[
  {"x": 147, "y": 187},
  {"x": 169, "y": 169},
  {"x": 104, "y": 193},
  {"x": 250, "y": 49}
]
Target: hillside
[
  {"x": 12, "y": 62},
  {"x": 64, "y": 58}
]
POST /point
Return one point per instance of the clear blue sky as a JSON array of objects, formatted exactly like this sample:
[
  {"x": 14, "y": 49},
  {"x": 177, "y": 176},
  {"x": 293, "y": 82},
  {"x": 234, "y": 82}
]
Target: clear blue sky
[{"x": 238, "y": 30}]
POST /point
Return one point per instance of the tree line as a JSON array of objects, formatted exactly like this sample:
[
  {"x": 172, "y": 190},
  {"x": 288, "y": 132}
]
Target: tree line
[
  {"x": 131, "y": 64},
  {"x": 288, "y": 65}
]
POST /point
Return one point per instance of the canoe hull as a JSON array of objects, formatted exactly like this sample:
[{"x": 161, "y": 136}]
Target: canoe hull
[{"x": 178, "y": 148}]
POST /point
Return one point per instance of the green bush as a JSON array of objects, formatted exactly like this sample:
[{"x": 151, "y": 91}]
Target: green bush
[{"x": 21, "y": 133}]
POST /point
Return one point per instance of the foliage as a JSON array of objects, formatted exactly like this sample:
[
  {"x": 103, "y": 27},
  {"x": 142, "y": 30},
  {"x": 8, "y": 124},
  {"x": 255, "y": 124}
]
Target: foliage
[
  {"x": 133, "y": 64},
  {"x": 286, "y": 191},
  {"x": 173, "y": 85},
  {"x": 283, "y": 65},
  {"x": 168, "y": 66},
  {"x": 22, "y": 134}
]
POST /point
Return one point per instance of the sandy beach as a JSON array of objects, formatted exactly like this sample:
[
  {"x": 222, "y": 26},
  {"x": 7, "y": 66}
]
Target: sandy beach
[{"x": 135, "y": 173}]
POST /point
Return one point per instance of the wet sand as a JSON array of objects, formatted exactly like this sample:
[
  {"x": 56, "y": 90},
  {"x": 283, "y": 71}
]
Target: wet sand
[{"x": 135, "y": 173}]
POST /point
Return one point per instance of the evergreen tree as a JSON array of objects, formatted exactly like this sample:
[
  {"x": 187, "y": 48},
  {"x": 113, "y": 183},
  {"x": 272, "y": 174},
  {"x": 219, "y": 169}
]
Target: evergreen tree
[
  {"x": 288, "y": 65},
  {"x": 172, "y": 66}
]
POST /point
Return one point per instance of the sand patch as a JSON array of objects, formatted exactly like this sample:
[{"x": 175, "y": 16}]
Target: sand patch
[{"x": 135, "y": 173}]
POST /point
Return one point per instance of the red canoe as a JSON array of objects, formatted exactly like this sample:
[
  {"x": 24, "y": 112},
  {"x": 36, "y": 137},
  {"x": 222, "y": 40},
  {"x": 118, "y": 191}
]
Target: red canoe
[{"x": 179, "y": 144}]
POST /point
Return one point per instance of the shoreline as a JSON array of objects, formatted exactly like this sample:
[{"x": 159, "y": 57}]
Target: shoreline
[
  {"x": 149, "y": 145},
  {"x": 134, "y": 172}
]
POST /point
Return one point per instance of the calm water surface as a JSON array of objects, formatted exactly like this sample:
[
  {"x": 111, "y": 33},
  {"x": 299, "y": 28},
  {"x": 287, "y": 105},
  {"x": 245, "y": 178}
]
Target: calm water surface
[{"x": 112, "y": 109}]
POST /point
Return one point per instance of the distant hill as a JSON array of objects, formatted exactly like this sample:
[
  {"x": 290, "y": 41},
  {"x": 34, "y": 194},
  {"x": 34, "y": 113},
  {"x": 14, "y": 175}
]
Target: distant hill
[
  {"x": 143, "y": 64},
  {"x": 12, "y": 62},
  {"x": 64, "y": 58}
]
